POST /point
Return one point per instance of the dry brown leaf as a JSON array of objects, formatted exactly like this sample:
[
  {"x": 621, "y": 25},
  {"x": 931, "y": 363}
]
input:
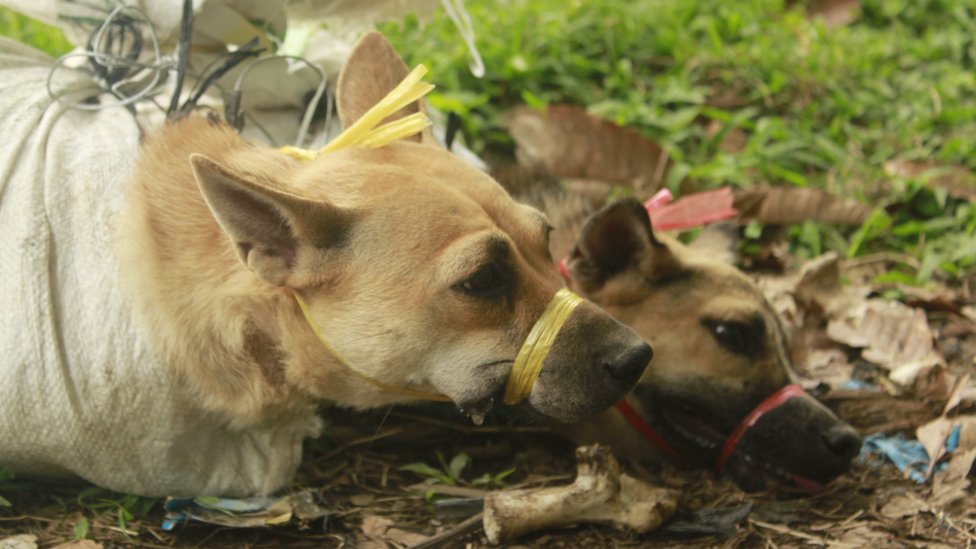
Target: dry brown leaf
[
  {"x": 892, "y": 335},
  {"x": 875, "y": 412},
  {"x": 566, "y": 141},
  {"x": 835, "y": 13},
  {"x": 788, "y": 205},
  {"x": 381, "y": 530},
  {"x": 862, "y": 536},
  {"x": 933, "y": 436},
  {"x": 955, "y": 396},
  {"x": 820, "y": 288},
  {"x": 829, "y": 366},
  {"x": 362, "y": 500},
  {"x": 957, "y": 181},
  {"x": 951, "y": 485},
  {"x": 902, "y": 506},
  {"x": 734, "y": 139},
  {"x": 80, "y": 544},
  {"x": 967, "y": 433},
  {"x": 375, "y": 526}
]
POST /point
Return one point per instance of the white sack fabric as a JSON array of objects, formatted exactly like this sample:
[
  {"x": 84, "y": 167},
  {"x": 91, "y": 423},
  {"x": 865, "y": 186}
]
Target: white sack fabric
[{"x": 81, "y": 391}]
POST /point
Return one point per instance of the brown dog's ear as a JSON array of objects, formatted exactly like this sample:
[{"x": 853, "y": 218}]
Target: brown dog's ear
[
  {"x": 618, "y": 239},
  {"x": 373, "y": 69},
  {"x": 281, "y": 237},
  {"x": 719, "y": 241}
]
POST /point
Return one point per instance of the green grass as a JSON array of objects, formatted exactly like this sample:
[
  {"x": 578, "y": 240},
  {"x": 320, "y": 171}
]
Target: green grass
[
  {"x": 820, "y": 107},
  {"x": 30, "y": 31}
]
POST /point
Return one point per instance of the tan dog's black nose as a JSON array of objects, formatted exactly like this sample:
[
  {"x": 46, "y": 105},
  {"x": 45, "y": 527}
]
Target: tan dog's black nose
[
  {"x": 843, "y": 441},
  {"x": 630, "y": 364}
]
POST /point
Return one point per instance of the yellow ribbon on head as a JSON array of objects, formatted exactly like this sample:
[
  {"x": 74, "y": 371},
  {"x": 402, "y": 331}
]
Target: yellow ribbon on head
[{"x": 367, "y": 132}]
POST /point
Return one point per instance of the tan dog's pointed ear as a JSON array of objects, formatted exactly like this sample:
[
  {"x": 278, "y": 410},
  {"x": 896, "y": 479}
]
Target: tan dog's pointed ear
[
  {"x": 279, "y": 236},
  {"x": 718, "y": 241},
  {"x": 617, "y": 239},
  {"x": 373, "y": 69}
]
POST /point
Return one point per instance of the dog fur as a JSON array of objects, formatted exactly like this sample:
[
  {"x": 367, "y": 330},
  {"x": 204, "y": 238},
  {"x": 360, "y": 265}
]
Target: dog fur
[
  {"x": 420, "y": 270},
  {"x": 720, "y": 348}
]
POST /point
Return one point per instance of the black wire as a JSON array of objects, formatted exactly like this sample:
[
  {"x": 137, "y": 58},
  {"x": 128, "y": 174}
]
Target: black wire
[{"x": 186, "y": 30}]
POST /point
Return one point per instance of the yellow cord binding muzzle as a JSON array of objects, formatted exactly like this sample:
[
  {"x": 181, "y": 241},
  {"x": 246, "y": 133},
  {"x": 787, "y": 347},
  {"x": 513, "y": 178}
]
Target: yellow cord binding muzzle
[
  {"x": 367, "y": 132},
  {"x": 528, "y": 363}
]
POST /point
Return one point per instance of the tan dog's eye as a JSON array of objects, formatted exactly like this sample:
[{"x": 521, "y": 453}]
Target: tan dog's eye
[
  {"x": 742, "y": 338},
  {"x": 491, "y": 280}
]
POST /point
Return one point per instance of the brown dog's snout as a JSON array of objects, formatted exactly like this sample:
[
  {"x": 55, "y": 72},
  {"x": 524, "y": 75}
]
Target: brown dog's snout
[
  {"x": 843, "y": 441},
  {"x": 630, "y": 363},
  {"x": 593, "y": 362}
]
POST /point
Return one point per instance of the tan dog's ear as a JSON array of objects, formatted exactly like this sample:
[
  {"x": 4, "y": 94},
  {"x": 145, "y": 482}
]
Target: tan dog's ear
[
  {"x": 275, "y": 234},
  {"x": 373, "y": 69},
  {"x": 617, "y": 239},
  {"x": 718, "y": 241}
]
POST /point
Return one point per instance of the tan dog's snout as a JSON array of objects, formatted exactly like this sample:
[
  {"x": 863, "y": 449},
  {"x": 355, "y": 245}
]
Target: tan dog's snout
[{"x": 593, "y": 363}]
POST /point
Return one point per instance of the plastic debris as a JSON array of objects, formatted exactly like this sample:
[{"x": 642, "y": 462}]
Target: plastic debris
[
  {"x": 908, "y": 455},
  {"x": 245, "y": 512}
]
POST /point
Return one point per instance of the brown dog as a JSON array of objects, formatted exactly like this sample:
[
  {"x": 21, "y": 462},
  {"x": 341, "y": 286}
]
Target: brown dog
[
  {"x": 418, "y": 270},
  {"x": 720, "y": 351}
]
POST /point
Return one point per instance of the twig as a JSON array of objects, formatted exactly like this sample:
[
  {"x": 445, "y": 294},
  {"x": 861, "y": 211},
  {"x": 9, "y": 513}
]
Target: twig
[
  {"x": 795, "y": 533},
  {"x": 467, "y": 526},
  {"x": 358, "y": 442}
]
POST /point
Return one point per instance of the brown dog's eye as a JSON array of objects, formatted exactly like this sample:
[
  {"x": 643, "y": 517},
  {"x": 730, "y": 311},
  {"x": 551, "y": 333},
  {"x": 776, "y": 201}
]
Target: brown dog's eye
[
  {"x": 489, "y": 281},
  {"x": 742, "y": 338}
]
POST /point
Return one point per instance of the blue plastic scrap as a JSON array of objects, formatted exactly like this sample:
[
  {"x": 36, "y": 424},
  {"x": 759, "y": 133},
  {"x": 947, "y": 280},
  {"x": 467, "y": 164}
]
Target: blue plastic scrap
[
  {"x": 244, "y": 512},
  {"x": 909, "y": 456}
]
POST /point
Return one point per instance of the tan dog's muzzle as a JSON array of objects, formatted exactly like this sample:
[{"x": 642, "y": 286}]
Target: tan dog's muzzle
[{"x": 528, "y": 362}]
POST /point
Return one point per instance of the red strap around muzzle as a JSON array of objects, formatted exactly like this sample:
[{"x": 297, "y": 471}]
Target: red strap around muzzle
[{"x": 772, "y": 402}]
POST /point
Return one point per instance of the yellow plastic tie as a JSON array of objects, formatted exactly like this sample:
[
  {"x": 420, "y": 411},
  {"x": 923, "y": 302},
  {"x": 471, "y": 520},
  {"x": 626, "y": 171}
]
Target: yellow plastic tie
[
  {"x": 366, "y": 132},
  {"x": 528, "y": 362},
  {"x": 399, "y": 390}
]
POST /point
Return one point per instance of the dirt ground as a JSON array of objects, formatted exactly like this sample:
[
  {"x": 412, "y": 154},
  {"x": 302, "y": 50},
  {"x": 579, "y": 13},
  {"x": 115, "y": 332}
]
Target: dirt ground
[{"x": 367, "y": 473}]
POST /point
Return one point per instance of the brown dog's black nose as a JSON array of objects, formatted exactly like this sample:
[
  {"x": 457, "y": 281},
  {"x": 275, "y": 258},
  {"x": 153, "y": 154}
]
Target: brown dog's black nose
[
  {"x": 630, "y": 364},
  {"x": 843, "y": 441}
]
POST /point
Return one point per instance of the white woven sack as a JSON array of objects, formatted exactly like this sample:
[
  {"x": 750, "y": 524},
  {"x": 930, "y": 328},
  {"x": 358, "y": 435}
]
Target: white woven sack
[{"x": 81, "y": 391}]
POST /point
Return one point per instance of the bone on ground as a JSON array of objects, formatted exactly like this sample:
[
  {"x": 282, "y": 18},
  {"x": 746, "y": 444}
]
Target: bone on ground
[{"x": 600, "y": 494}]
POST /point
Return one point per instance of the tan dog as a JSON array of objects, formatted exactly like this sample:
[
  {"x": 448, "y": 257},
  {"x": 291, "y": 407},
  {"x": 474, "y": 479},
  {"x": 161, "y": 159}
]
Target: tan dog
[
  {"x": 720, "y": 351},
  {"x": 418, "y": 270}
]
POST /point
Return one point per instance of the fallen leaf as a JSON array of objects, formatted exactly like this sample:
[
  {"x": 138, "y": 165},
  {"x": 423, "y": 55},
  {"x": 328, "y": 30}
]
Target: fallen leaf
[
  {"x": 362, "y": 500},
  {"x": 891, "y": 335},
  {"x": 901, "y": 506},
  {"x": 967, "y": 433},
  {"x": 789, "y": 205},
  {"x": 734, "y": 139},
  {"x": 951, "y": 485},
  {"x": 380, "y": 529},
  {"x": 80, "y": 544},
  {"x": 955, "y": 396},
  {"x": 876, "y": 412},
  {"x": 835, "y": 13},
  {"x": 829, "y": 366},
  {"x": 820, "y": 289},
  {"x": 862, "y": 536},
  {"x": 933, "y": 436},
  {"x": 566, "y": 141},
  {"x": 375, "y": 526},
  {"x": 957, "y": 181}
]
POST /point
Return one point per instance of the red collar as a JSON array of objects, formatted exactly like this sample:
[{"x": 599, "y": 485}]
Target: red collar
[{"x": 771, "y": 403}]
